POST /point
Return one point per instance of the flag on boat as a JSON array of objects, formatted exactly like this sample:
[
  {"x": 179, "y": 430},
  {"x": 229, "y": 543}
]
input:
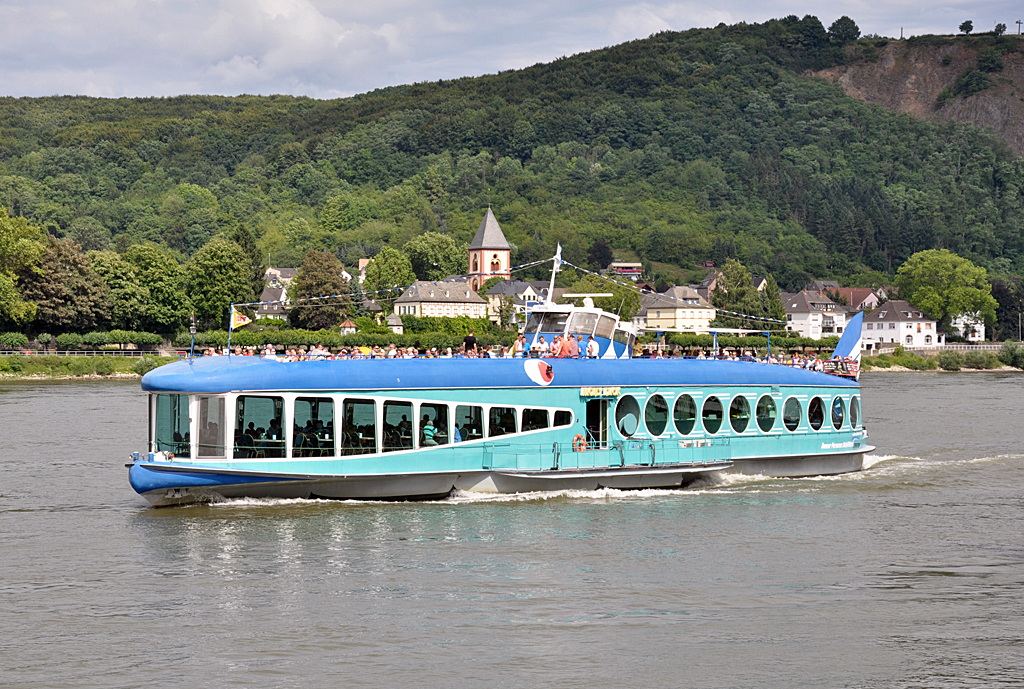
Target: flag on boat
[
  {"x": 238, "y": 319},
  {"x": 849, "y": 343},
  {"x": 558, "y": 257}
]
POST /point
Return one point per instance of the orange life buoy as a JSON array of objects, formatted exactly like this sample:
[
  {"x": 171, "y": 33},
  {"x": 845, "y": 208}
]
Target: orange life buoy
[{"x": 579, "y": 443}]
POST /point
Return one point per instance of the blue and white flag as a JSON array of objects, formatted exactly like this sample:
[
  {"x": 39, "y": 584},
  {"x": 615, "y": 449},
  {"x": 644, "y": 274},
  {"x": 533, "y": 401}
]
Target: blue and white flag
[{"x": 558, "y": 257}]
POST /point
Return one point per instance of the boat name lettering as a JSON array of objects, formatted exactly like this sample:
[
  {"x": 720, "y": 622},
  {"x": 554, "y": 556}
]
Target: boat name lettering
[
  {"x": 606, "y": 391},
  {"x": 837, "y": 446}
]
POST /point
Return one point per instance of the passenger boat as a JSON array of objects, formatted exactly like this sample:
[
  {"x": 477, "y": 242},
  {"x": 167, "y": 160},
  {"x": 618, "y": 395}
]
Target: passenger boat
[{"x": 233, "y": 426}]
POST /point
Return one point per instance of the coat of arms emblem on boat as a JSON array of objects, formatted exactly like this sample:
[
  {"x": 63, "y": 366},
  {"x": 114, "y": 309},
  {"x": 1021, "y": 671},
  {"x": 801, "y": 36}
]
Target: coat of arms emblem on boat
[{"x": 540, "y": 372}]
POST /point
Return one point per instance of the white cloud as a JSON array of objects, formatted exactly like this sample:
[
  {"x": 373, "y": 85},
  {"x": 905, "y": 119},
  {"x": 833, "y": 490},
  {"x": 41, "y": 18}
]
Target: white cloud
[{"x": 326, "y": 48}]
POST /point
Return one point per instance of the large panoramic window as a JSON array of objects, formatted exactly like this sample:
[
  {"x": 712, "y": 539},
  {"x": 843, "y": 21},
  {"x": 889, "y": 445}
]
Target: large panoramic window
[
  {"x": 535, "y": 419},
  {"x": 765, "y": 413},
  {"x": 470, "y": 422},
  {"x": 172, "y": 425},
  {"x": 854, "y": 412},
  {"x": 605, "y": 327},
  {"x": 211, "y": 427},
  {"x": 656, "y": 415},
  {"x": 583, "y": 323},
  {"x": 739, "y": 414},
  {"x": 397, "y": 426},
  {"x": 816, "y": 413},
  {"x": 501, "y": 421},
  {"x": 684, "y": 414},
  {"x": 546, "y": 322},
  {"x": 259, "y": 431},
  {"x": 791, "y": 413},
  {"x": 313, "y": 431},
  {"x": 711, "y": 414},
  {"x": 359, "y": 427},
  {"x": 627, "y": 415},
  {"x": 838, "y": 413},
  {"x": 433, "y": 428}
]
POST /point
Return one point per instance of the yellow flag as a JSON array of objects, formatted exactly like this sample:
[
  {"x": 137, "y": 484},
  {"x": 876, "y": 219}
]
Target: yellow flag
[{"x": 238, "y": 319}]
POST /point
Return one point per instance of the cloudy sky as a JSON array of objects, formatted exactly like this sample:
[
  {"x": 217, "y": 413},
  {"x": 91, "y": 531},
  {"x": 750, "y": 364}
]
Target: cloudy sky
[{"x": 331, "y": 48}]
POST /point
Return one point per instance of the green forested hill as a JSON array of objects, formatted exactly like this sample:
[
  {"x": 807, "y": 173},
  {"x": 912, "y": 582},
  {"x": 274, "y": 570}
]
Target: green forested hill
[{"x": 679, "y": 148}]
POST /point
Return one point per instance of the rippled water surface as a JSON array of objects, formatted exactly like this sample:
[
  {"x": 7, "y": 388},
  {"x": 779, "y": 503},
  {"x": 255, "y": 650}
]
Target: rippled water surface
[{"x": 909, "y": 574}]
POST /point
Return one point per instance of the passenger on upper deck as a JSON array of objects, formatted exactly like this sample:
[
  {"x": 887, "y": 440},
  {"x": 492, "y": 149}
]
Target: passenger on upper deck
[{"x": 469, "y": 342}]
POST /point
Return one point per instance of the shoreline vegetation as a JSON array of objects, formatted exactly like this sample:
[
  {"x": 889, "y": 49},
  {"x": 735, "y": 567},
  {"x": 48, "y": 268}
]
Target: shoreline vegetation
[{"x": 52, "y": 367}]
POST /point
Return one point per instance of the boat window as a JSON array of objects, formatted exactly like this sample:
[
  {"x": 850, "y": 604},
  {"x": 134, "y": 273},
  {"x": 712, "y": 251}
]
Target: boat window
[
  {"x": 838, "y": 413},
  {"x": 470, "y": 422},
  {"x": 259, "y": 431},
  {"x": 359, "y": 427},
  {"x": 684, "y": 414},
  {"x": 433, "y": 425},
  {"x": 397, "y": 426},
  {"x": 712, "y": 414},
  {"x": 501, "y": 421},
  {"x": 535, "y": 419},
  {"x": 605, "y": 327},
  {"x": 583, "y": 323},
  {"x": 621, "y": 336},
  {"x": 313, "y": 430},
  {"x": 739, "y": 414},
  {"x": 172, "y": 425},
  {"x": 211, "y": 427},
  {"x": 656, "y": 415},
  {"x": 563, "y": 417},
  {"x": 816, "y": 413},
  {"x": 765, "y": 413},
  {"x": 792, "y": 413},
  {"x": 547, "y": 322},
  {"x": 854, "y": 412},
  {"x": 627, "y": 415}
]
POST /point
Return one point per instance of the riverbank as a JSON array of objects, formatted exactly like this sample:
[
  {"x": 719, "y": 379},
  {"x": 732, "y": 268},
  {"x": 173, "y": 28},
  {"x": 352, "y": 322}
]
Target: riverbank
[{"x": 48, "y": 367}]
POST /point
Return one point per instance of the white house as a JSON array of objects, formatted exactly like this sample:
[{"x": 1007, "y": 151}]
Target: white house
[
  {"x": 813, "y": 316},
  {"x": 448, "y": 298},
  {"x": 678, "y": 308},
  {"x": 897, "y": 322},
  {"x": 970, "y": 326}
]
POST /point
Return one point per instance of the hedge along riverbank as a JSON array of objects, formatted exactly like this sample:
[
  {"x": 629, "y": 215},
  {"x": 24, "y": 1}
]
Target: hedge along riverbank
[
  {"x": 687, "y": 340},
  {"x": 50, "y": 366},
  {"x": 112, "y": 337},
  {"x": 333, "y": 339}
]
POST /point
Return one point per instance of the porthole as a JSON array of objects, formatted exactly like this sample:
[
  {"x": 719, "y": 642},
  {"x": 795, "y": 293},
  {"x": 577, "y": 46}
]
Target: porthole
[
  {"x": 838, "y": 413},
  {"x": 739, "y": 414},
  {"x": 854, "y": 412},
  {"x": 656, "y": 415},
  {"x": 684, "y": 414},
  {"x": 627, "y": 415},
  {"x": 792, "y": 413},
  {"x": 711, "y": 414},
  {"x": 816, "y": 413},
  {"x": 765, "y": 413}
]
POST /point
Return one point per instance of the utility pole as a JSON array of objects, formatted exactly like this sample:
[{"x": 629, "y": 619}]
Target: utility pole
[{"x": 1019, "y": 22}]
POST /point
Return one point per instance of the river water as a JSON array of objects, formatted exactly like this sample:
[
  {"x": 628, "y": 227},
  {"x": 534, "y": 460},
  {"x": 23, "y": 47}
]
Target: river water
[{"x": 910, "y": 574}]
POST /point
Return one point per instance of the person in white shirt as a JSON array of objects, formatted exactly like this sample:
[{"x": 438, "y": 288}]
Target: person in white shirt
[
  {"x": 392, "y": 351},
  {"x": 592, "y": 348}
]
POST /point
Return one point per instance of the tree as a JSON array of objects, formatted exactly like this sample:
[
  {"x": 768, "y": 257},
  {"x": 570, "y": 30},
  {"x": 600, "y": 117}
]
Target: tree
[
  {"x": 21, "y": 247},
  {"x": 68, "y": 293},
  {"x": 127, "y": 299},
  {"x": 735, "y": 292},
  {"x": 217, "y": 277},
  {"x": 169, "y": 306},
  {"x": 843, "y": 30},
  {"x": 944, "y": 286},
  {"x": 435, "y": 256},
  {"x": 1009, "y": 293},
  {"x": 1000, "y": 29},
  {"x": 967, "y": 27},
  {"x": 387, "y": 275},
  {"x": 319, "y": 276},
  {"x": 625, "y": 300},
  {"x": 600, "y": 254},
  {"x": 255, "y": 265},
  {"x": 771, "y": 304}
]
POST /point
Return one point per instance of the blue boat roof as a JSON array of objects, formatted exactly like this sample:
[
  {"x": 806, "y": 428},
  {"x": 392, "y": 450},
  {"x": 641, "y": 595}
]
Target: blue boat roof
[{"x": 235, "y": 373}]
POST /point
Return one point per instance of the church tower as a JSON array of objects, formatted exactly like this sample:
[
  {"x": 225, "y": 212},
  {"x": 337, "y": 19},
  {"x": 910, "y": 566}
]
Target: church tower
[{"x": 490, "y": 254}]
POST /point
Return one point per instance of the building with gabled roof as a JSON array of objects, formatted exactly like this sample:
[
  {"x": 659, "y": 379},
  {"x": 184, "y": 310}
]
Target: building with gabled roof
[
  {"x": 811, "y": 315},
  {"x": 490, "y": 254},
  {"x": 273, "y": 303},
  {"x": 899, "y": 322},
  {"x": 678, "y": 308},
  {"x": 859, "y": 297},
  {"x": 443, "y": 299}
]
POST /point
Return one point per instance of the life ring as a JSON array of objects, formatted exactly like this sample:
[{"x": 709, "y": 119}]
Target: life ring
[{"x": 579, "y": 443}]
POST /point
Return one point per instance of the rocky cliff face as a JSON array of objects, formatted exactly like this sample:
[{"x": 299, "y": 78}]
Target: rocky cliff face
[{"x": 908, "y": 78}]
